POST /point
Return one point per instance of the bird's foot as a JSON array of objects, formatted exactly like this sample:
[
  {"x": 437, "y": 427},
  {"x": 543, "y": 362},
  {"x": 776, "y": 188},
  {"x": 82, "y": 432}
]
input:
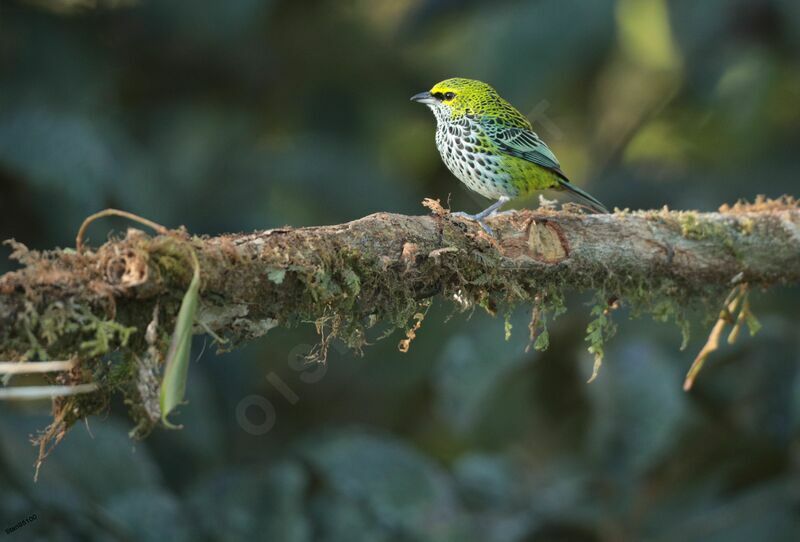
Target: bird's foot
[
  {"x": 475, "y": 218},
  {"x": 502, "y": 213}
]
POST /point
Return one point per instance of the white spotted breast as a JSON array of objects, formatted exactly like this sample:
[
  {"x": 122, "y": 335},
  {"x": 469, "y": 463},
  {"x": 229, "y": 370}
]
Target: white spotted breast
[{"x": 464, "y": 154}]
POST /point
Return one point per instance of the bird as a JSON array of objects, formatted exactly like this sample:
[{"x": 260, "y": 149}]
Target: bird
[{"x": 491, "y": 147}]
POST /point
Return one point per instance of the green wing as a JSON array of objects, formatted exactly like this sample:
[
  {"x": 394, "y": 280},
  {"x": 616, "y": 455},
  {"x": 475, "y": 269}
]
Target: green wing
[{"x": 526, "y": 144}]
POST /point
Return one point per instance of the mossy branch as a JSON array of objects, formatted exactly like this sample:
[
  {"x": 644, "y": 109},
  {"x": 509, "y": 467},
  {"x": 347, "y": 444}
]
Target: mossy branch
[{"x": 122, "y": 299}]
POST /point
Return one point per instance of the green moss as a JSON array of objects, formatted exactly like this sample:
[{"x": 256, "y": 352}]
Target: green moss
[
  {"x": 31, "y": 348},
  {"x": 690, "y": 224},
  {"x": 693, "y": 226},
  {"x": 542, "y": 341},
  {"x": 120, "y": 372},
  {"x": 105, "y": 335},
  {"x": 52, "y": 333},
  {"x": 746, "y": 225},
  {"x": 352, "y": 281},
  {"x": 599, "y": 331},
  {"x": 276, "y": 275},
  {"x": 56, "y": 321}
]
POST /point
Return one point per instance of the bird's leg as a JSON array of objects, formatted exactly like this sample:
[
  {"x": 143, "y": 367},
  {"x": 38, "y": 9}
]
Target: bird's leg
[
  {"x": 492, "y": 209},
  {"x": 489, "y": 211}
]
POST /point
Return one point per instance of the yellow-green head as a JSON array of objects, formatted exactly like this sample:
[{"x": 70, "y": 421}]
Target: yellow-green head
[{"x": 457, "y": 97}]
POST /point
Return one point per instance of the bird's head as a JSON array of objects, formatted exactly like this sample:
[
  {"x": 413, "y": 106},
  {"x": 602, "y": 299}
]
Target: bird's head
[{"x": 456, "y": 97}]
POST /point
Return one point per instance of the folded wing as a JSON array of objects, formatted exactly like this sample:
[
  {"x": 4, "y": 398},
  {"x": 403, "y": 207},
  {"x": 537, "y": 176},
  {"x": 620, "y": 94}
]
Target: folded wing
[{"x": 525, "y": 144}]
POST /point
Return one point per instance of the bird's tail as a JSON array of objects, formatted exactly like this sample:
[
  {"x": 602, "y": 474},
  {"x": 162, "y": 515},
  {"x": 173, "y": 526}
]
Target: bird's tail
[{"x": 585, "y": 197}]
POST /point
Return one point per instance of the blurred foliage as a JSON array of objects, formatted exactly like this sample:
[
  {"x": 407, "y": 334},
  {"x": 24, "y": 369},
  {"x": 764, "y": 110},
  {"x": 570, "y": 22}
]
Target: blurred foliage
[{"x": 229, "y": 116}]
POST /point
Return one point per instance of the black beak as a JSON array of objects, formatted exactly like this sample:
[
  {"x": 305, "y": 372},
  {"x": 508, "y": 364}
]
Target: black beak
[{"x": 423, "y": 98}]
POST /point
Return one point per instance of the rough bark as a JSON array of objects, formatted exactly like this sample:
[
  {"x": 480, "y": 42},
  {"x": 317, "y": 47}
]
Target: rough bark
[{"x": 381, "y": 266}]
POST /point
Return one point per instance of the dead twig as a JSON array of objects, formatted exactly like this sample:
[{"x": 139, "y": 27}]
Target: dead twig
[{"x": 736, "y": 298}]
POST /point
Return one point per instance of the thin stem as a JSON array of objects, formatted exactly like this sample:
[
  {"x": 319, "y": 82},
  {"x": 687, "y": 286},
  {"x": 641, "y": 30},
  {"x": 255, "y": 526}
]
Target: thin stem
[
  {"x": 33, "y": 393},
  {"x": 28, "y": 367},
  {"x": 115, "y": 212}
]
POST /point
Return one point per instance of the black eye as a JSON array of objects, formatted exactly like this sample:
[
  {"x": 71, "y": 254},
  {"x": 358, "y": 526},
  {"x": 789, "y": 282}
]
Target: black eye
[
  {"x": 438, "y": 95},
  {"x": 449, "y": 95}
]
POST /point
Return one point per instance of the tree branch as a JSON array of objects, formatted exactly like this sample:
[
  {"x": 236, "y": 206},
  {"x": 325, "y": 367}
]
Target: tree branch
[{"x": 380, "y": 269}]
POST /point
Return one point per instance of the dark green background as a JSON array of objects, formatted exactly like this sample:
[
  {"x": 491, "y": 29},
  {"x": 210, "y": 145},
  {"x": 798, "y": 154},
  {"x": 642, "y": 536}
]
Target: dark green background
[{"x": 242, "y": 115}]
